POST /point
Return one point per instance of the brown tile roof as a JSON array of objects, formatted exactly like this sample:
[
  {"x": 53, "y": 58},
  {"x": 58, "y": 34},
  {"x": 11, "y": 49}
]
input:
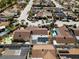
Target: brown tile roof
[
  {"x": 74, "y": 51},
  {"x": 64, "y": 36},
  {"x": 40, "y": 51},
  {"x": 49, "y": 55},
  {"x": 21, "y": 34},
  {"x": 64, "y": 31},
  {"x": 40, "y": 47},
  {"x": 38, "y": 31},
  {"x": 24, "y": 34}
]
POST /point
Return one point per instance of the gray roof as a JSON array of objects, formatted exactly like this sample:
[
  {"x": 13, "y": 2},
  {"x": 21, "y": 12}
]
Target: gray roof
[
  {"x": 12, "y": 57},
  {"x": 24, "y": 53}
]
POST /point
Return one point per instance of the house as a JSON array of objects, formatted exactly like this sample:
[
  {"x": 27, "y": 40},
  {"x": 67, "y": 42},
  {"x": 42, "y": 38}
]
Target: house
[
  {"x": 24, "y": 35},
  {"x": 43, "y": 14},
  {"x": 58, "y": 13},
  {"x": 37, "y": 30},
  {"x": 40, "y": 31},
  {"x": 15, "y": 52},
  {"x": 21, "y": 35},
  {"x": 38, "y": 35},
  {"x": 69, "y": 54},
  {"x": 63, "y": 35},
  {"x": 4, "y": 21},
  {"x": 43, "y": 52}
]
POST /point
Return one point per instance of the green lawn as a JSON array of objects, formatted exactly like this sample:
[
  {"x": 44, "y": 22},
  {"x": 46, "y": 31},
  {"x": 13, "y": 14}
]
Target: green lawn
[{"x": 8, "y": 40}]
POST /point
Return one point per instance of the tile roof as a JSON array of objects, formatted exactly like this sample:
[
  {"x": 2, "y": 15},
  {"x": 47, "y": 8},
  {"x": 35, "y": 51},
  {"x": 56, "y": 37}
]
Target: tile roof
[
  {"x": 38, "y": 31},
  {"x": 49, "y": 56},
  {"x": 21, "y": 35},
  {"x": 40, "y": 47},
  {"x": 74, "y": 51},
  {"x": 64, "y": 36},
  {"x": 41, "y": 51},
  {"x": 24, "y": 34}
]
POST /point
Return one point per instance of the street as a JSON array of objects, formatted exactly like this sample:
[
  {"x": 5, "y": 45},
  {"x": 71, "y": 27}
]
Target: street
[{"x": 25, "y": 13}]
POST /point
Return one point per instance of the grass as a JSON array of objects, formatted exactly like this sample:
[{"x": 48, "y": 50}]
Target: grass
[
  {"x": 11, "y": 28},
  {"x": 8, "y": 40}
]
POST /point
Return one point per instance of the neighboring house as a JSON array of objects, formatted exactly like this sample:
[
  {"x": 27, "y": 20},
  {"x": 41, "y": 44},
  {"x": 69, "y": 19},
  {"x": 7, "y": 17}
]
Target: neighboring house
[
  {"x": 69, "y": 54},
  {"x": 37, "y": 30},
  {"x": 15, "y": 52},
  {"x": 58, "y": 13},
  {"x": 40, "y": 31},
  {"x": 38, "y": 35},
  {"x": 21, "y": 35},
  {"x": 43, "y": 52},
  {"x": 43, "y": 14},
  {"x": 63, "y": 36},
  {"x": 24, "y": 35}
]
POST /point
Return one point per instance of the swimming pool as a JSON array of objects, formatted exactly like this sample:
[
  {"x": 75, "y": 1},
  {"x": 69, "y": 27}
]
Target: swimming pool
[{"x": 54, "y": 32}]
